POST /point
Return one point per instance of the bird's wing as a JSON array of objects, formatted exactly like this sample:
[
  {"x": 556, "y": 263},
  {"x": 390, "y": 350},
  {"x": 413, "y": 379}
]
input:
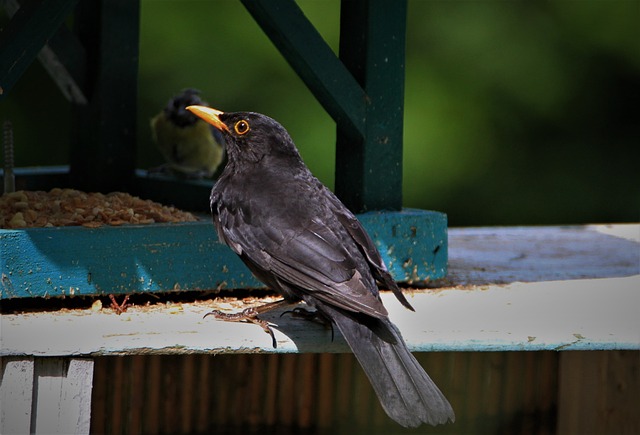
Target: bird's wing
[
  {"x": 368, "y": 248},
  {"x": 312, "y": 260},
  {"x": 313, "y": 255}
]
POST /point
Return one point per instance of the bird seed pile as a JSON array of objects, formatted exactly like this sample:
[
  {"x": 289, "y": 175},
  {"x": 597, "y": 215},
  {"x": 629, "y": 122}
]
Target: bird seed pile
[{"x": 65, "y": 207}]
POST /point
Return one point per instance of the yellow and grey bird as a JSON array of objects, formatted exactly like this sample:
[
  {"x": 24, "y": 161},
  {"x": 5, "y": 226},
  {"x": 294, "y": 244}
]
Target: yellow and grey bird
[{"x": 191, "y": 147}]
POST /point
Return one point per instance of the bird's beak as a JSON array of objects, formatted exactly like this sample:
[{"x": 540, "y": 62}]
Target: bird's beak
[{"x": 209, "y": 115}]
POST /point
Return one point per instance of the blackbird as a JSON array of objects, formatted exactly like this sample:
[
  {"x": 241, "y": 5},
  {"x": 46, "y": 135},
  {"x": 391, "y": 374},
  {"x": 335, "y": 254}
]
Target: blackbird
[
  {"x": 297, "y": 237},
  {"x": 190, "y": 146}
]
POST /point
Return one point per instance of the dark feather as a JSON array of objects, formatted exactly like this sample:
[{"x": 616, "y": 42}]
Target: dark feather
[{"x": 406, "y": 392}]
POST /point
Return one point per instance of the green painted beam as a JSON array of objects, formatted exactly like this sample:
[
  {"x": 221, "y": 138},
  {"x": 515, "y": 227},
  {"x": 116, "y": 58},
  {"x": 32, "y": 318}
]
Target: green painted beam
[
  {"x": 372, "y": 46},
  {"x": 64, "y": 261},
  {"x": 24, "y": 36},
  {"x": 314, "y": 61},
  {"x": 63, "y": 57}
]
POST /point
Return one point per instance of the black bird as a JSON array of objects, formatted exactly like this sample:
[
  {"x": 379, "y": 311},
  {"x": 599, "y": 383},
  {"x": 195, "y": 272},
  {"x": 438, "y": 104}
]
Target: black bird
[{"x": 297, "y": 237}]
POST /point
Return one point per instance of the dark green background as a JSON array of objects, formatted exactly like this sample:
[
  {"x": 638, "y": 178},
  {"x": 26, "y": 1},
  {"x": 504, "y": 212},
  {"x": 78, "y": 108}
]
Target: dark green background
[{"x": 516, "y": 112}]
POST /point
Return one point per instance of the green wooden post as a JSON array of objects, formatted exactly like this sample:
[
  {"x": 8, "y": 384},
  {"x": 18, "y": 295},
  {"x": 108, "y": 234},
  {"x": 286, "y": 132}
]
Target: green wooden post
[
  {"x": 372, "y": 47},
  {"x": 103, "y": 146}
]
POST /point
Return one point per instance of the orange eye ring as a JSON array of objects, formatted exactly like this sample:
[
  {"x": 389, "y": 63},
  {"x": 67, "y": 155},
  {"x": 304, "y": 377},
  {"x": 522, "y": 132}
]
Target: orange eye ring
[{"x": 241, "y": 127}]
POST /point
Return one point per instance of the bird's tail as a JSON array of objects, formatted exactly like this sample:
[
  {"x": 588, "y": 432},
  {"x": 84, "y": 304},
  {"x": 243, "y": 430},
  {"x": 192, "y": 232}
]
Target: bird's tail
[{"x": 405, "y": 390}]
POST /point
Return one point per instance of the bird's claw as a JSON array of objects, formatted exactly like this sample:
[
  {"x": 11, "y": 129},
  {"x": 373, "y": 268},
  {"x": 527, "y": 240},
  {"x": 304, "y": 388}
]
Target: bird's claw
[{"x": 249, "y": 315}]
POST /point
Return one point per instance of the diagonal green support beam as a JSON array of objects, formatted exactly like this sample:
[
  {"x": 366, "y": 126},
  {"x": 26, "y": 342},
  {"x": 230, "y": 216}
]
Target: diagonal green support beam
[
  {"x": 25, "y": 35},
  {"x": 63, "y": 57},
  {"x": 363, "y": 90},
  {"x": 314, "y": 61}
]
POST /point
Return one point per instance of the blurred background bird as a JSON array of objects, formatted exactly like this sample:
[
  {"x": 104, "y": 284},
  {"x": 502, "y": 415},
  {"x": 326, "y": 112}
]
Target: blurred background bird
[{"x": 191, "y": 147}]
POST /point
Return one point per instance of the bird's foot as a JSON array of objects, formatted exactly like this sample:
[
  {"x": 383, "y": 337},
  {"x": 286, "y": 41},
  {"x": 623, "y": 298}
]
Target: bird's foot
[
  {"x": 119, "y": 308},
  {"x": 314, "y": 316},
  {"x": 249, "y": 315}
]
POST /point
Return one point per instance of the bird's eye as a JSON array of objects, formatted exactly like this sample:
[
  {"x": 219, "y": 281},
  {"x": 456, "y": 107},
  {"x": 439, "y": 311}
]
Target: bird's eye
[{"x": 241, "y": 127}]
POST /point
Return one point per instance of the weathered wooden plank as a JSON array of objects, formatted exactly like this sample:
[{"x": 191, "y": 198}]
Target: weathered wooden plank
[
  {"x": 557, "y": 315},
  {"x": 16, "y": 391},
  {"x": 501, "y": 392},
  {"x": 581, "y": 308},
  {"x": 45, "y": 395},
  {"x": 62, "y": 396},
  {"x": 491, "y": 255},
  {"x": 598, "y": 393},
  {"x": 69, "y": 261},
  {"x": 80, "y": 261}
]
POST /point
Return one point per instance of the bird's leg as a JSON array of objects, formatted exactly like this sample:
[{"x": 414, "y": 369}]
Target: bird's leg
[
  {"x": 119, "y": 308},
  {"x": 251, "y": 315},
  {"x": 247, "y": 315}
]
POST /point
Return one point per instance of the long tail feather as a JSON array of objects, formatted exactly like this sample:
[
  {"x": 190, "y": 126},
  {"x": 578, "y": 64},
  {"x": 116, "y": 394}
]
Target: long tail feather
[{"x": 405, "y": 390}]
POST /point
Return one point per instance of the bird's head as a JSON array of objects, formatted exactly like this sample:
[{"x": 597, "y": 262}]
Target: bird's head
[
  {"x": 176, "y": 111},
  {"x": 249, "y": 136}
]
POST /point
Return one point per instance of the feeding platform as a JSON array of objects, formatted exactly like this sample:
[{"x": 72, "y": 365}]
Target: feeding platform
[{"x": 75, "y": 261}]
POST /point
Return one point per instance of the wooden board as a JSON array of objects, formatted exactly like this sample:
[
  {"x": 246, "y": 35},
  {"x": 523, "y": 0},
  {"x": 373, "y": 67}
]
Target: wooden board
[
  {"x": 45, "y": 395},
  {"x": 68, "y": 261},
  {"x": 598, "y": 393},
  {"x": 556, "y": 315}
]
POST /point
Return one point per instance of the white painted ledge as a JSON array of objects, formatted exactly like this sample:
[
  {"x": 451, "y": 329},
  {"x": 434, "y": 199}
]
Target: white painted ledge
[{"x": 530, "y": 288}]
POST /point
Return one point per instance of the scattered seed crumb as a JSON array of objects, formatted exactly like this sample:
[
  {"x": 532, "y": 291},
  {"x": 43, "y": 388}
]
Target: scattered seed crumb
[{"x": 96, "y": 306}]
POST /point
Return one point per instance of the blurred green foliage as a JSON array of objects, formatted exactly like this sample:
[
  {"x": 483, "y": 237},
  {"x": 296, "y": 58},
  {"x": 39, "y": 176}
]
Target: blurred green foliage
[{"x": 516, "y": 112}]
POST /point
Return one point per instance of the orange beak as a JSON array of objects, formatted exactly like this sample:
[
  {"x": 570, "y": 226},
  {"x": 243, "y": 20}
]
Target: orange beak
[{"x": 209, "y": 115}]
